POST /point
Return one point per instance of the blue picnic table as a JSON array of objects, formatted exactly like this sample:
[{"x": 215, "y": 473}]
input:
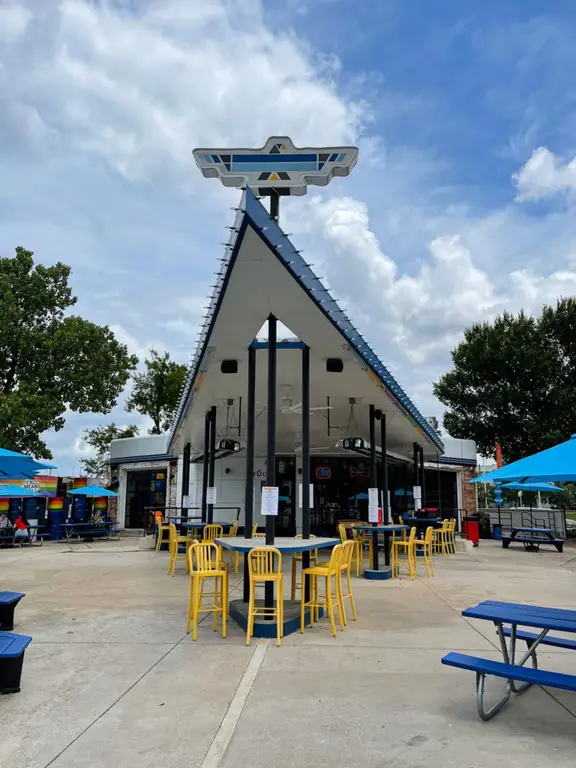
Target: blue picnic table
[
  {"x": 507, "y": 618},
  {"x": 532, "y": 538},
  {"x": 104, "y": 528}
]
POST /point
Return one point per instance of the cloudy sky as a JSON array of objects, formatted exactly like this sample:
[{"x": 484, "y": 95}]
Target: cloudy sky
[{"x": 462, "y": 204}]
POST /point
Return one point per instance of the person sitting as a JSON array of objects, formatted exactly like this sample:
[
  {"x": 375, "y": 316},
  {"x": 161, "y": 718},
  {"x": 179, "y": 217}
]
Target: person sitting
[{"x": 21, "y": 528}]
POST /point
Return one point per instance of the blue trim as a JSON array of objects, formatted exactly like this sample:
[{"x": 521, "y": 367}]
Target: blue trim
[
  {"x": 252, "y": 213},
  {"x": 279, "y": 345},
  {"x": 383, "y": 575}
]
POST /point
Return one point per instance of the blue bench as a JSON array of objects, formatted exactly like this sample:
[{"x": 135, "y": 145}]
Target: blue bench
[
  {"x": 12, "y": 649},
  {"x": 8, "y": 603},
  {"x": 510, "y": 672},
  {"x": 530, "y": 638},
  {"x": 532, "y": 538}
]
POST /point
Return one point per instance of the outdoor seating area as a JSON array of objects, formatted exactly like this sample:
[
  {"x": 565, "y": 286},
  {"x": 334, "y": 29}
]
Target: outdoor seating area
[
  {"x": 113, "y": 677},
  {"x": 320, "y": 570}
]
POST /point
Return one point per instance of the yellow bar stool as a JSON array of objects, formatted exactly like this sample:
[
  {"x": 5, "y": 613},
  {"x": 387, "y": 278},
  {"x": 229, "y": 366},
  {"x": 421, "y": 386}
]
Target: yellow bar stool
[
  {"x": 345, "y": 567},
  {"x": 235, "y": 555},
  {"x": 426, "y": 545},
  {"x": 208, "y": 565},
  {"x": 174, "y": 542},
  {"x": 297, "y": 558},
  {"x": 439, "y": 540},
  {"x": 160, "y": 539},
  {"x": 329, "y": 599},
  {"x": 365, "y": 537},
  {"x": 256, "y": 534},
  {"x": 264, "y": 566},
  {"x": 358, "y": 551},
  {"x": 405, "y": 547}
]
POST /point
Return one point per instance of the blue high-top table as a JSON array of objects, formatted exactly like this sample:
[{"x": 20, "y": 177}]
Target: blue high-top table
[{"x": 376, "y": 572}]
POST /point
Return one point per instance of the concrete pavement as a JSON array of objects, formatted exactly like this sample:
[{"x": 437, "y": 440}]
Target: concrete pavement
[{"x": 111, "y": 679}]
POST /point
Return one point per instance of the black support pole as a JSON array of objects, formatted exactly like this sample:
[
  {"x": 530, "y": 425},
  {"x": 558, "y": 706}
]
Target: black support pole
[
  {"x": 438, "y": 480},
  {"x": 305, "y": 462},
  {"x": 185, "y": 478},
  {"x": 271, "y": 447},
  {"x": 249, "y": 487},
  {"x": 423, "y": 477},
  {"x": 274, "y": 205},
  {"x": 212, "y": 460},
  {"x": 384, "y": 481},
  {"x": 373, "y": 479},
  {"x": 205, "y": 465}
]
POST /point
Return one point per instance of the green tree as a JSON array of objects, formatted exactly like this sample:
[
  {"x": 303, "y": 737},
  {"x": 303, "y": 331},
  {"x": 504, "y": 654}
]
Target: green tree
[
  {"x": 156, "y": 392},
  {"x": 50, "y": 361},
  {"x": 100, "y": 439},
  {"x": 514, "y": 381}
]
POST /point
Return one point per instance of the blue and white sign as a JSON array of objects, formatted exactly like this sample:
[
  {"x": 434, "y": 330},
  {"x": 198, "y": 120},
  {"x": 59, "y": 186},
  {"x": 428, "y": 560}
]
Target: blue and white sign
[{"x": 279, "y": 166}]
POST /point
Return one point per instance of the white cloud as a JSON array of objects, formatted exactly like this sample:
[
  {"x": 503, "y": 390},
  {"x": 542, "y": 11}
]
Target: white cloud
[
  {"x": 545, "y": 174},
  {"x": 142, "y": 91},
  {"x": 100, "y": 108},
  {"x": 14, "y": 19}
]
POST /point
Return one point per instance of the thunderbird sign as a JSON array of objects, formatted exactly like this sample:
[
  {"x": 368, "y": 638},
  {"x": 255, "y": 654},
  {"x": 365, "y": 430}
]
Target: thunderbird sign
[{"x": 278, "y": 166}]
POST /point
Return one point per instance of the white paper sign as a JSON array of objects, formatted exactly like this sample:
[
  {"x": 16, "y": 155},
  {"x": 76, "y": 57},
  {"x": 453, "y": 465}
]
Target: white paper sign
[
  {"x": 417, "y": 497},
  {"x": 211, "y": 495},
  {"x": 269, "y": 504},
  {"x": 300, "y": 496},
  {"x": 372, "y": 505}
]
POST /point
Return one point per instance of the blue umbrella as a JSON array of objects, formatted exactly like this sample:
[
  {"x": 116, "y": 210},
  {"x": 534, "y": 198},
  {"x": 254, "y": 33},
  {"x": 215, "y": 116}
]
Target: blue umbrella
[
  {"x": 359, "y": 497},
  {"x": 557, "y": 464},
  {"x": 535, "y": 487},
  {"x": 19, "y": 465},
  {"x": 92, "y": 490},
  {"x": 17, "y": 491}
]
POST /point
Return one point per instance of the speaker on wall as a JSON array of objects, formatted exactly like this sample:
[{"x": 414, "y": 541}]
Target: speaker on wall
[
  {"x": 334, "y": 365},
  {"x": 229, "y": 366}
]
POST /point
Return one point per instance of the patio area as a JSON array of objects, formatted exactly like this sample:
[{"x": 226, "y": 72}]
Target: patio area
[{"x": 111, "y": 678}]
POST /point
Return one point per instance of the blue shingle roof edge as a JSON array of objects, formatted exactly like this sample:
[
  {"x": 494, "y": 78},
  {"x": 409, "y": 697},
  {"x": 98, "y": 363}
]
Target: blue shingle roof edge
[{"x": 251, "y": 212}]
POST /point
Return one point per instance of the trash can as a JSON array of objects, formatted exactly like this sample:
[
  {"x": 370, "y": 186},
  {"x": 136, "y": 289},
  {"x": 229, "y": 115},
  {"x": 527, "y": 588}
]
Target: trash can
[
  {"x": 471, "y": 529},
  {"x": 497, "y": 532}
]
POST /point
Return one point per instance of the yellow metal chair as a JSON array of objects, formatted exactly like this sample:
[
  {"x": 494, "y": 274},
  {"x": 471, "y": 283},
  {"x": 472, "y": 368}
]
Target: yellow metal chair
[
  {"x": 265, "y": 566},
  {"x": 211, "y": 532},
  {"x": 235, "y": 555},
  {"x": 440, "y": 539},
  {"x": 256, "y": 534},
  {"x": 358, "y": 554},
  {"x": 208, "y": 565},
  {"x": 297, "y": 558},
  {"x": 345, "y": 567},
  {"x": 406, "y": 547},
  {"x": 426, "y": 545},
  {"x": 329, "y": 599},
  {"x": 160, "y": 528},
  {"x": 365, "y": 537},
  {"x": 174, "y": 542}
]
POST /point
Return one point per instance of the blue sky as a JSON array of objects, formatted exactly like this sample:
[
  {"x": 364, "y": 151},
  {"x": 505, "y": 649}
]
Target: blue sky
[{"x": 462, "y": 203}]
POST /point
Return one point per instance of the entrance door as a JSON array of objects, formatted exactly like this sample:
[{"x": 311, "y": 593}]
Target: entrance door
[
  {"x": 286, "y": 482},
  {"x": 144, "y": 489}
]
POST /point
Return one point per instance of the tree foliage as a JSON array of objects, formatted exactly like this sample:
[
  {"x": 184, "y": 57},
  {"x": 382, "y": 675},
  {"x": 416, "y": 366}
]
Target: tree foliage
[
  {"x": 156, "y": 392},
  {"x": 514, "y": 381},
  {"x": 50, "y": 361},
  {"x": 100, "y": 439}
]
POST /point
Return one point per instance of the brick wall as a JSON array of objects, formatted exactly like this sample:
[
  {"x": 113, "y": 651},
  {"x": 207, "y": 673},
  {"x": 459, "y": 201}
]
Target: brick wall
[{"x": 468, "y": 490}]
